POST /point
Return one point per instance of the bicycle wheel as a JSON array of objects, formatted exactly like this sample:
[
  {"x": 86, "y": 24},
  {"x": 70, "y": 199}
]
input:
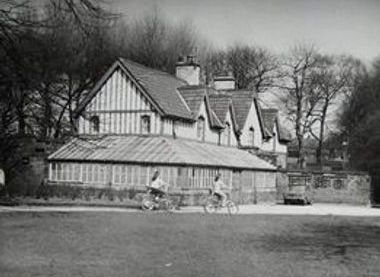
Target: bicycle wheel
[
  {"x": 168, "y": 206},
  {"x": 232, "y": 207},
  {"x": 147, "y": 204},
  {"x": 209, "y": 207}
]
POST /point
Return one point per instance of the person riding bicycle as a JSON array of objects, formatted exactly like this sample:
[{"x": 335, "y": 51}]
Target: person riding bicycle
[
  {"x": 218, "y": 187},
  {"x": 158, "y": 188}
]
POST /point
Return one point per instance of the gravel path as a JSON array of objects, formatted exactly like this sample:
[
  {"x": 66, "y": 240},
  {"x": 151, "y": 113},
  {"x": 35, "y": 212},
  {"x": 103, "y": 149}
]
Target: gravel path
[{"x": 315, "y": 209}]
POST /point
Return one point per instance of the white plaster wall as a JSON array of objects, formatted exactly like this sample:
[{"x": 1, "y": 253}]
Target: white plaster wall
[
  {"x": 252, "y": 121},
  {"x": 224, "y": 138}
]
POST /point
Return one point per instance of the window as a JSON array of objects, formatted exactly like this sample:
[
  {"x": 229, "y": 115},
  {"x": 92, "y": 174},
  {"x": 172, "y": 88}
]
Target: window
[
  {"x": 252, "y": 136},
  {"x": 201, "y": 128},
  {"x": 274, "y": 142},
  {"x": 94, "y": 124},
  {"x": 54, "y": 172},
  {"x": 145, "y": 124}
]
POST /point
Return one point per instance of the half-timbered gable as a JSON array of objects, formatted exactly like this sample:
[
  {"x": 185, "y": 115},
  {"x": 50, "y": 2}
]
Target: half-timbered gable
[
  {"x": 133, "y": 99},
  {"x": 119, "y": 107}
]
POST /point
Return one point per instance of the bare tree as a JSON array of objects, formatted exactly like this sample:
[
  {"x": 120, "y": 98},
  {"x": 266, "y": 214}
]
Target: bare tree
[
  {"x": 253, "y": 67},
  {"x": 331, "y": 80},
  {"x": 35, "y": 58},
  {"x": 156, "y": 42},
  {"x": 296, "y": 92}
]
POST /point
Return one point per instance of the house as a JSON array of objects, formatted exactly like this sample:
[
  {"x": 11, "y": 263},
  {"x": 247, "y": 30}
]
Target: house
[{"x": 137, "y": 119}]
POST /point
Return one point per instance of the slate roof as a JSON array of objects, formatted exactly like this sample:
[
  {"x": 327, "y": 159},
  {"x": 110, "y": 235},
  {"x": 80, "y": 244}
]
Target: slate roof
[
  {"x": 242, "y": 100},
  {"x": 220, "y": 104},
  {"x": 160, "y": 88},
  {"x": 157, "y": 150},
  {"x": 194, "y": 96},
  {"x": 270, "y": 118}
]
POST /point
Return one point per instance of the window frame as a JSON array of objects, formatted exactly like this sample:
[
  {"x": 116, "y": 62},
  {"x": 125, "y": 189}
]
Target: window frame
[
  {"x": 201, "y": 128},
  {"x": 94, "y": 124},
  {"x": 147, "y": 129}
]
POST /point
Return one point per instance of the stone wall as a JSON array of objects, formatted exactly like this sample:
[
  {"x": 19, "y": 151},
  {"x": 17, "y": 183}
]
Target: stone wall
[
  {"x": 28, "y": 166},
  {"x": 331, "y": 187}
]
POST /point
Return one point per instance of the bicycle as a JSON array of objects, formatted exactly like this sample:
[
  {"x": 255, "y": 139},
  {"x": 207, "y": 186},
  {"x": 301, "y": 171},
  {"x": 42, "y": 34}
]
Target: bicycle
[
  {"x": 151, "y": 202},
  {"x": 214, "y": 204}
]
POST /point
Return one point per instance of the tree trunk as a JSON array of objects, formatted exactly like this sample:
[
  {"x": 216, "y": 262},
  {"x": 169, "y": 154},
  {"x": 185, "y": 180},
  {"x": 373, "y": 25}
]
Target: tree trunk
[
  {"x": 299, "y": 134},
  {"x": 322, "y": 134}
]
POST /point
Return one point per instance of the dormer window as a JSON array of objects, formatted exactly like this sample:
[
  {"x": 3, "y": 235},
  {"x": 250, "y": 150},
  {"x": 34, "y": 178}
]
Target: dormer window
[
  {"x": 145, "y": 124},
  {"x": 94, "y": 124},
  {"x": 251, "y": 136},
  {"x": 201, "y": 128}
]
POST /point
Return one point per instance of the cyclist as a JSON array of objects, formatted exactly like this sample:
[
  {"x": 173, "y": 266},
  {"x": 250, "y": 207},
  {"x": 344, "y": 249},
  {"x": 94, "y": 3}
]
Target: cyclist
[
  {"x": 158, "y": 188},
  {"x": 218, "y": 187}
]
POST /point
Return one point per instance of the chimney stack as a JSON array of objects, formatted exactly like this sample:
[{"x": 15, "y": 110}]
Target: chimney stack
[
  {"x": 188, "y": 70},
  {"x": 226, "y": 82}
]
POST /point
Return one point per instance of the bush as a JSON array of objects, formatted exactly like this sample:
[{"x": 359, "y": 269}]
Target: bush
[{"x": 75, "y": 191}]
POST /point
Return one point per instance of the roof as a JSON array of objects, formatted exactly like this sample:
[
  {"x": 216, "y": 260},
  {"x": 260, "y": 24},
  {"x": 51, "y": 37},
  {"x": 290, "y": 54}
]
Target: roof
[
  {"x": 160, "y": 87},
  {"x": 220, "y": 104},
  {"x": 242, "y": 101},
  {"x": 270, "y": 118},
  {"x": 194, "y": 96},
  {"x": 284, "y": 134},
  {"x": 157, "y": 150}
]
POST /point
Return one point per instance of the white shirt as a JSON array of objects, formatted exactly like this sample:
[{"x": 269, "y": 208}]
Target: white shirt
[
  {"x": 218, "y": 186},
  {"x": 157, "y": 184}
]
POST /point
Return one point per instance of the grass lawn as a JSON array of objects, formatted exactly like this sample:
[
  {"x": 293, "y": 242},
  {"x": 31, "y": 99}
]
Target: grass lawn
[{"x": 158, "y": 244}]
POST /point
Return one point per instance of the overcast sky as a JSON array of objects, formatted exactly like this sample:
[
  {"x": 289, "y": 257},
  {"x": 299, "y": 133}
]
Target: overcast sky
[{"x": 334, "y": 26}]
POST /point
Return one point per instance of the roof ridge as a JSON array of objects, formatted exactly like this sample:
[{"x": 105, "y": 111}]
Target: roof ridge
[{"x": 151, "y": 69}]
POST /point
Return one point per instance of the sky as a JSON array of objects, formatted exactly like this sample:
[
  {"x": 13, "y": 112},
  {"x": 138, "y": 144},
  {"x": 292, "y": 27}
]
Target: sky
[{"x": 333, "y": 26}]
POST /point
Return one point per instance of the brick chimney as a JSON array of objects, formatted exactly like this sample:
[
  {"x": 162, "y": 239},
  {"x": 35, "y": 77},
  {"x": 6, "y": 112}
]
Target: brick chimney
[
  {"x": 188, "y": 70},
  {"x": 224, "y": 82}
]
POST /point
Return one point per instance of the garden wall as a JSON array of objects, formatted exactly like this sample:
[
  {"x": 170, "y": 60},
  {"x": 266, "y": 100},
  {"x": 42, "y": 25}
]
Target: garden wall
[{"x": 332, "y": 187}]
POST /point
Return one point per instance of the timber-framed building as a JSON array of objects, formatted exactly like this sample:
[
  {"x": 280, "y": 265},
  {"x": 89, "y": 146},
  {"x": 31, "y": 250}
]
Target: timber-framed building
[{"x": 137, "y": 119}]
